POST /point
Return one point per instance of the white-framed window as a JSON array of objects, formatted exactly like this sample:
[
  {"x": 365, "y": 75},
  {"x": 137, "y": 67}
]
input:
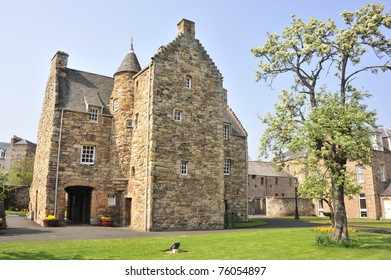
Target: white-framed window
[
  {"x": 94, "y": 113},
  {"x": 188, "y": 82},
  {"x": 226, "y": 131},
  {"x": 382, "y": 172},
  {"x": 360, "y": 173},
  {"x": 111, "y": 200},
  {"x": 227, "y": 167},
  {"x": 177, "y": 115},
  {"x": 184, "y": 167},
  {"x": 115, "y": 105},
  {"x": 363, "y": 206},
  {"x": 87, "y": 154}
]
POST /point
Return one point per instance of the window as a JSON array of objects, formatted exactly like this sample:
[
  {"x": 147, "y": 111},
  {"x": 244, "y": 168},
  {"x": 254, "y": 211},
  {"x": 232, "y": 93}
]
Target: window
[
  {"x": 115, "y": 105},
  {"x": 177, "y": 115},
  {"x": 226, "y": 132},
  {"x": 94, "y": 113},
  {"x": 227, "y": 167},
  {"x": 188, "y": 82},
  {"x": 276, "y": 181},
  {"x": 184, "y": 165},
  {"x": 18, "y": 157},
  {"x": 363, "y": 206},
  {"x": 382, "y": 173},
  {"x": 129, "y": 123},
  {"x": 111, "y": 200},
  {"x": 253, "y": 176},
  {"x": 262, "y": 180},
  {"x": 360, "y": 173},
  {"x": 88, "y": 155},
  {"x": 136, "y": 120}
]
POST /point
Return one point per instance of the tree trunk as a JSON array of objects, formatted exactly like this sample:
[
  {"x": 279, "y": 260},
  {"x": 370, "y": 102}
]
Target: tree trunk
[{"x": 340, "y": 232}]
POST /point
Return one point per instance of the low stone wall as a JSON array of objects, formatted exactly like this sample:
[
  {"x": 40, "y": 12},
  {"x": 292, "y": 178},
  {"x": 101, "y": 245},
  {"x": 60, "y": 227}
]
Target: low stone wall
[
  {"x": 2, "y": 215},
  {"x": 286, "y": 207}
]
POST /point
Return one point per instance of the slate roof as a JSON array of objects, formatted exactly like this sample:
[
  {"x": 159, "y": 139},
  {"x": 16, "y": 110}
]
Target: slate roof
[
  {"x": 236, "y": 126},
  {"x": 130, "y": 63},
  {"x": 266, "y": 169},
  {"x": 386, "y": 189},
  {"x": 80, "y": 89}
]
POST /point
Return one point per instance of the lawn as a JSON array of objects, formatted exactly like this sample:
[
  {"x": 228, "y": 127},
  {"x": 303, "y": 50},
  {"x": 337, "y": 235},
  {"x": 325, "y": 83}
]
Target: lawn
[{"x": 253, "y": 244}]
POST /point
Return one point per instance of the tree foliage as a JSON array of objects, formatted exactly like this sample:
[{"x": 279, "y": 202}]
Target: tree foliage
[
  {"x": 332, "y": 126},
  {"x": 21, "y": 172}
]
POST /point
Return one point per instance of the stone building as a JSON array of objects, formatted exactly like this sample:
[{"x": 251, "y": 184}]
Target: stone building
[
  {"x": 14, "y": 151},
  {"x": 271, "y": 191},
  {"x": 374, "y": 198},
  {"x": 156, "y": 148}
]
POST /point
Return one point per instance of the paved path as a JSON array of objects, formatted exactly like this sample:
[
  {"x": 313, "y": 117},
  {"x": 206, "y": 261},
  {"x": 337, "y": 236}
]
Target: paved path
[{"x": 21, "y": 229}]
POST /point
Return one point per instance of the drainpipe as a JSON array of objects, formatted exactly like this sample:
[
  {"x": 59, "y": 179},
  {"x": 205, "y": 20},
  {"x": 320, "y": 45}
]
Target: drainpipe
[
  {"x": 58, "y": 163},
  {"x": 147, "y": 153}
]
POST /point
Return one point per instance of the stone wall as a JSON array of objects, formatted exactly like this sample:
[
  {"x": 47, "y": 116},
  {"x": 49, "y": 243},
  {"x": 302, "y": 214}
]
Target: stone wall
[
  {"x": 195, "y": 200},
  {"x": 276, "y": 207}
]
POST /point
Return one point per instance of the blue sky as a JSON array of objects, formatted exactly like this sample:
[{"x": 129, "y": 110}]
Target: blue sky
[{"x": 97, "y": 34}]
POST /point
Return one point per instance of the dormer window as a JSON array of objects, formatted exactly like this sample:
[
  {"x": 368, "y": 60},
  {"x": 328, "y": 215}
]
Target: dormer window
[
  {"x": 94, "y": 113},
  {"x": 188, "y": 82}
]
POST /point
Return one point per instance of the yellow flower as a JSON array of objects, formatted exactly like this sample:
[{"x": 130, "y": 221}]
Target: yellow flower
[
  {"x": 105, "y": 218},
  {"x": 50, "y": 218}
]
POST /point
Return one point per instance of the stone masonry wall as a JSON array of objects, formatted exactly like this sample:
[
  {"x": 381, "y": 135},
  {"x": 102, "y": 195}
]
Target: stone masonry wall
[
  {"x": 235, "y": 184},
  {"x": 276, "y": 207},
  {"x": 46, "y": 149},
  {"x": 195, "y": 200}
]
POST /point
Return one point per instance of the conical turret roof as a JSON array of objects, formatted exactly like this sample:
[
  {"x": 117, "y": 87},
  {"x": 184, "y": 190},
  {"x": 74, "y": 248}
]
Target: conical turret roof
[{"x": 130, "y": 63}]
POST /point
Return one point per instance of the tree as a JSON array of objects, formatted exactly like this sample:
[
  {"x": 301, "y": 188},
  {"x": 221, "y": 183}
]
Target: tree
[
  {"x": 21, "y": 172},
  {"x": 3, "y": 185},
  {"x": 333, "y": 127}
]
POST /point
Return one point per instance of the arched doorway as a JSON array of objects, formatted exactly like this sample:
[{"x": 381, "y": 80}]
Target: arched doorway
[{"x": 78, "y": 204}]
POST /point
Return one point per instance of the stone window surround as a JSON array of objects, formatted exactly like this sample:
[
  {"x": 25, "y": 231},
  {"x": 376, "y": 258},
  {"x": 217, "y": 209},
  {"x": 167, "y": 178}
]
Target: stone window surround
[
  {"x": 227, "y": 131},
  {"x": 115, "y": 104},
  {"x": 178, "y": 115},
  {"x": 184, "y": 167},
  {"x": 227, "y": 167},
  {"x": 188, "y": 82},
  {"x": 382, "y": 172},
  {"x": 94, "y": 113},
  {"x": 88, "y": 154}
]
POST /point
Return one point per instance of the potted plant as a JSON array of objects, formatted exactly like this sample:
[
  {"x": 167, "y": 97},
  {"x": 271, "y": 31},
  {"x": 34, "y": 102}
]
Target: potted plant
[
  {"x": 50, "y": 221},
  {"x": 106, "y": 221}
]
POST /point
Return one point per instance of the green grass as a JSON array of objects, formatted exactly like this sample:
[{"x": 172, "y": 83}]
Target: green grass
[
  {"x": 250, "y": 224},
  {"x": 272, "y": 244},
  {"x": 16, "y": 213}
]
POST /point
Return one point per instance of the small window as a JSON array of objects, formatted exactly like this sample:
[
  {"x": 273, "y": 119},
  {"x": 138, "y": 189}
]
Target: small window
[
  {"x": 276, "y": 194},
  {"x": 188, "y": 82},
  {"x": 178, "y": 115},
  {"x": 18, "y": 157},
  {"x": 115, "y": 105},
  {"x": 88, "y": 155},
  {"x": 136, "y": 120},
  {"x": 94, "y": 113},
  {"x": 276, "y": 181},
  {"x": 382, "y": 173},
  {"x": 360, "y": 173},
  {"x": 129, "y": 123},
  {"x": 253, "y": 176},
  {"x": 227, "y": 167},
  {"x": 262, "y": 180},
  {"x": 184, "y": 165},
  {"x": 111, "y": 200},
  {"x": 226, "y": 131}
]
